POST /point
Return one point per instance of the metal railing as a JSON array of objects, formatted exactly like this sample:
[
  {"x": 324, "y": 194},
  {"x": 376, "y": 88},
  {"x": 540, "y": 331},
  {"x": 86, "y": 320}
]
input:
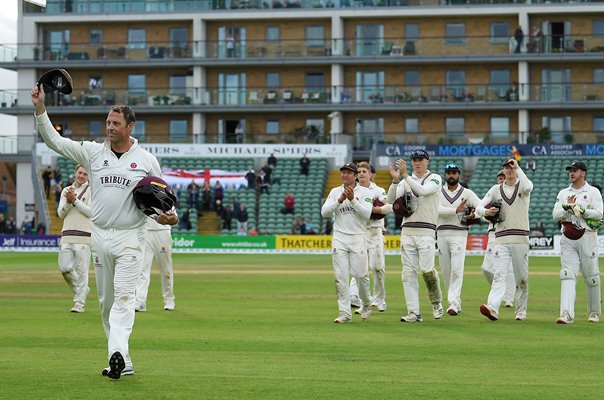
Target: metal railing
[{"x": 236, "y": 49}]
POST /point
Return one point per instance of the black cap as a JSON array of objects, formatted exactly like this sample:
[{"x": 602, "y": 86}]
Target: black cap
[
  {"x": 56, "y": 79},
  {"x": 420, "y": 153},
  {"x": 577, "y": 165},
  {"x": 452, "y": 167},
  {"x": 350, "y": 166},
  {"x": 507, "y": 162},
  {"x": 500, "y": 173}
]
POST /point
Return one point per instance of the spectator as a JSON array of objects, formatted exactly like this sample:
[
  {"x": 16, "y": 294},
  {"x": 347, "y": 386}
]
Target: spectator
[
  {"x": 185, "y": 220},
  {"x": 227, "y": 217},
  {"x": 58, "y": 177},
  {"x": 218, "y": 207},
  {"x": 206, "y": 196},
  {"x": 328, "y": 226},
  {"x": 242, "y": 218},
  {"x": 253, "y": 232},
  {"x": 239, "y": 134},
  {"x": 193, "y": 192},
  {"x": 41, "y": 229},
  {"x": 2, "y": 224},
  {"x": 289, "y": 202},
  {"x": 264, "y": 183},
  {"x": 536, "y": 38},
  {"x": 519, "y": 37},
  {"x": 26, "y": 226},
  {"x": 218, "y": 196},
  {"x": 272, "y": 160},
  {"x": 268, "y": 171},
  {"x": 11, "y": 226},
  {"x": 241, "y": 232},
  {"x": 251, "y": 178},
  {"x": 304, "y": 165},
  {"x": 539, "y": 229},
  {"x": 530, "y": 164},
  {"x": 46, "y": 178},
  {"x": 265, "y": 231},
  {"x": 309, "y": 229},
  {"x": 58, "y": 191},
  {"x": 296, "y": 226}
]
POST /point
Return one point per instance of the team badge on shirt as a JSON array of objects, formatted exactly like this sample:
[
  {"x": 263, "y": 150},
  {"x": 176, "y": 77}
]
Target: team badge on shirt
[{"x": 133, "y": 165}]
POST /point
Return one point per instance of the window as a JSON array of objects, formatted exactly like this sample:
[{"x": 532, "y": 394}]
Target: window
[
  {"x": 500, "y": 81},
  {"x": 136, "y": 38},
  {"x": 273, "y": 34},
  {"x": 369, "y": 39},
  {"x": 314, "y": 82},
  {"x": 178, "y": 85},
  {"x": 500, "y": 127},
  {"x": 598, "y": 124},
  {"x": 314, "y": 36},
  {"x": 95, "y": 82},
  {"x": 598, "y": 27},
  {"x": 314, "y": 130},
  {"x": 178, "y": 130},
  {"x": 139, "y": 130},
  {"x": 273, "y": 80},
  {"x": 95, "y": 128},
  {"x": 559, "y": 126},
  {"x": 598, "y": 75},
  {"x": 370, "y": 86},
  {"x": 455, "y": 126},
  {"x": 272, "y": 127},
  {"x": 499, "y": 32},
  {"x": 412, "y": 77},
  {"x": 136, "y": 84},
  {"x": 411, "y": 125},
  {"x": 411, "y": 31},
  {"x": 455, "y": 34},
  {"x": 179, "y": 38},
  {"x": 95, "y": 36},
  {"x": 456, "y": 83}
]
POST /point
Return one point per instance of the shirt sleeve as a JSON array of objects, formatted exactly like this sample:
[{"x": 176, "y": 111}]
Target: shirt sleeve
[
  {"x": 595, "y": 211},
  {"x": 331, "y": 204},
  {"x": 83, "y": 207},
  {"x": 64, "y": 206},
  {"x": 364, "y": 205},
  {"x": 395, "y": 191},
  {"x": 558, "y": 213},
  {"x": 432, "y": 185},
  {"x": 526, "y": 186},
  {"x": 486, "y": 200},
  {"x": 66, "y": 147}
]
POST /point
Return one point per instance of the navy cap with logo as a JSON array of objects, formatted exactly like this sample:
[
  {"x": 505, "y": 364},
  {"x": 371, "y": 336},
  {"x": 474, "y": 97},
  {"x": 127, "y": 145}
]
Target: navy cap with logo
[
  {"x": 350, "y": 166},
  {"x": 507, "y": 162},
  {"x": 577, "y": 165},
  {"x": 500, "y": 173},
  {"x": 452, "y": 167},
  {"x": 420, "y": 153}
]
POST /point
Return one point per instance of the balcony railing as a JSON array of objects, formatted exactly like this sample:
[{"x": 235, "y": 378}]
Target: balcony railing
[
  {"x": 389, "y": 48},
  {"x": 374, "y": 96},
  {"x": 155, "y": 6}
]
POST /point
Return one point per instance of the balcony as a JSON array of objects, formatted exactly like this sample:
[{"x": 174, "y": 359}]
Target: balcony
[
  {"x": 173, "y": 6},
  {"x": 388, "y": 50}
]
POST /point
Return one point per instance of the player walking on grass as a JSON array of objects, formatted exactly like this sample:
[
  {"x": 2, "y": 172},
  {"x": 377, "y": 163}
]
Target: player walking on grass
[
  {"x": 74, "y": 256},
  {"x": 452, "y": 236},
  {"x": 118, "y": 231},
  {"x": 158, "y": 245},
  {"x": 511, "y": 238},
  {"x": 375, "y": 239},
  {"x": 352, "y": 205},
  {"x": 418, "y": 232},
  {"x": 579, "y": 209},
  {"x": 489, "y": 257}
]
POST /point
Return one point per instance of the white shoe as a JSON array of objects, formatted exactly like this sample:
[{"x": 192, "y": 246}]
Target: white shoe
[
  {"x": 438, "y": 311},
  {"x": 342, "y": 319},
  {"x": 382, "y": 307},
  {"x": 77, "y": 308},
  {"x": 366, "y": 313},
  {"x": 126, "y": 371},
  {"x": 521, "y": 316},
  {"x": 452, "y": 310},
  {"x": 140, "y": 308},
  {"x": 169, "y": 307},
  {"x": 412, "y": 317},
  {"x": 564, "y": 318},
  {"x": 355, "y": 302},
  {"x": 488, "y": 312},
  {"x": 593, "y": 317},
  {"x": 509, "y": 304}
]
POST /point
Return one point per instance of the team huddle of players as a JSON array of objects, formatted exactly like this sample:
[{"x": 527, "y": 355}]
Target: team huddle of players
[{"x": 440, "y": 214}]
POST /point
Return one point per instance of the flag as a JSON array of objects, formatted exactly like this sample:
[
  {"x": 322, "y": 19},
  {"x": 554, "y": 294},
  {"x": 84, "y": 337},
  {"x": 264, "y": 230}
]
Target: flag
[
  {"x": 516, "y": 154},
  {"x": 183, "y": 177}
]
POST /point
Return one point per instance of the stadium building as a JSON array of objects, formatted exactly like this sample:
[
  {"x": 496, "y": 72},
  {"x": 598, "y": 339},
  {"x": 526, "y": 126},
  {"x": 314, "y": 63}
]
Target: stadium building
[{"x": 360, "y": 73}]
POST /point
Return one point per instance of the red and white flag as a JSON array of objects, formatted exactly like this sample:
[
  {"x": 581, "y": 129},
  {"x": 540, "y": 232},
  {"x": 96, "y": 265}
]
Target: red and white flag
[{"x": 183, "y": 177}]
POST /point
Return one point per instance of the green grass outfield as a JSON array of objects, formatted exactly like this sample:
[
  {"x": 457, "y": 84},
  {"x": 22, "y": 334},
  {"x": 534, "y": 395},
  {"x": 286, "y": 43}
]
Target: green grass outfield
[{"x": 260, "y": 327}]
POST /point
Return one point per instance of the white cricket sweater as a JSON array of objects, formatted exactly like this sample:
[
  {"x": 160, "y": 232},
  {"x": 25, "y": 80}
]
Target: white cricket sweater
[
  {"x": 378, "y": 193},
  {"x": 449, "y": 223},
  {"x": 351, "y": 215},
  {"x": 76, "y": 216},
  {"x": 587, "y": 197}
]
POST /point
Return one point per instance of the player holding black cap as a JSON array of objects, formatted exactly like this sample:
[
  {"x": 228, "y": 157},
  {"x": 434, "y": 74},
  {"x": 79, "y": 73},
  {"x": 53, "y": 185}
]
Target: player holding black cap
[{"x": 579, "y": 209}]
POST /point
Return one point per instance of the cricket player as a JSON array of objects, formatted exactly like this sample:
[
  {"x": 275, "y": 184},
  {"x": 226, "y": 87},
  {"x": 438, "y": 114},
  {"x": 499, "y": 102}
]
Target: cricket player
[
  {"x": 489, "y": 256},
  {"x": 511, "y": 238},
  {"x": 352, "y": 205},
  {"x": 375, "y": 240},
  {"x": 158, "y": 244},
  {"x": 579, "y": 209},
  {"x": 418, "y": 234},
  {"x": 74, "y": 256},
  {"x": 452, "y": 236},
  {"x": 118, "y": 230}
]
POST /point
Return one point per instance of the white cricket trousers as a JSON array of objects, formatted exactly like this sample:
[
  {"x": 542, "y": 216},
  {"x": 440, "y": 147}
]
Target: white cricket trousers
[
  {"x": 158, "y": 244},
  {"x": 488, "y": 270},
  {"x": 417, "y": 257},
  {"x": 452, "y": 256},
  {"x": 74, "y": 263},
  {"x": 377, "y": 264},
  {"x": 580, "y": 255},
  {"x": 118, "y": 261},
  {"x": 517, "y": 253},
  {"x": 349, "y": 256}
]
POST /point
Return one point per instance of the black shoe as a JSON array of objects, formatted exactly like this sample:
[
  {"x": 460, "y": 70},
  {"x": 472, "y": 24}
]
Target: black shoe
[{"x": 116, "y": 365}]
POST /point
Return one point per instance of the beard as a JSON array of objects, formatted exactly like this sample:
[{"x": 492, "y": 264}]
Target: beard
[{"x": 452, "y": 181}]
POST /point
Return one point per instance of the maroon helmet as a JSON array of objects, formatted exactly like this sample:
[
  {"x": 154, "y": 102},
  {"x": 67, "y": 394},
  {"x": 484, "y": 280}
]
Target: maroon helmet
[
  {"x": 377, "y": 203},
  {"x": 153, "y": 196}
]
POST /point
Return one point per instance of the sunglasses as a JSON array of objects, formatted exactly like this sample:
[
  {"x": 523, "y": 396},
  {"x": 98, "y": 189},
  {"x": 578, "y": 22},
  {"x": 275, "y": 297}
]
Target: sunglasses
[
  {"x": 452, "y": 167},
  {"x": 419, "y": 153}
]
